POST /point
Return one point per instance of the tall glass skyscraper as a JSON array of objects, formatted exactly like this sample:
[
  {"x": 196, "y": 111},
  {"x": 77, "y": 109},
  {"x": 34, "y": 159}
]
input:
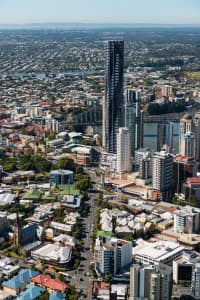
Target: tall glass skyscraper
[
  {"x": 165, "y": 133},
  {"x": 133, "y": 119},
  {"x": 113, "y": 102}
]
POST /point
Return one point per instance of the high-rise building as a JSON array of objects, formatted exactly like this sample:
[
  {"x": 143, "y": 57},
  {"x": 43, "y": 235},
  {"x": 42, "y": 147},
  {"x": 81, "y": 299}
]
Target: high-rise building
[
  {"x": 165, "y": 135},
  {"x": 145, "y": 167},
  {"x": 189, "y": 144},
  {"x": 113, "y": 102},
  {"x": 183, "y": 265},
  {"x": 123, "y": 151},
  {"x": 187, "y": 220},
  {"x": 162, "y": 173},
  {"x": 111, "y": 255},
  {"x": 133, "y": 119},
  {"x": 183, "y": 167},
  {"x": 150, "y": 282},
  {"x": 166, "y": 91},
  {"x": 189, "y": 136},
  {"x": 196, "y": 281}
]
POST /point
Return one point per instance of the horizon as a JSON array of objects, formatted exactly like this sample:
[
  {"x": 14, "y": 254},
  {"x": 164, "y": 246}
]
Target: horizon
[{"x": 22, "y": 12}]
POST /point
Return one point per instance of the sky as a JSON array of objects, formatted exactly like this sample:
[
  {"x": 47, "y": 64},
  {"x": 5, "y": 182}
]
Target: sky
[{"x": 100, "y": 11}]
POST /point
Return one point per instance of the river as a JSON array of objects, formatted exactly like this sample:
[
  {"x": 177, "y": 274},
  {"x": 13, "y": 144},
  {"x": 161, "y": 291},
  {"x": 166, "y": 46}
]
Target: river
[{"x": 150, "y": 135}]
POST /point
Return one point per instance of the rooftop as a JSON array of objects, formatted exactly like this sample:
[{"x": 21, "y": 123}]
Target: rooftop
[
  {"x": 61, "y": 172},
  {"x": 53, "y": 253},
  {"x": 31, "y": 292},
  {"x": 193, "y": 180},
  {"x": 47, "y": 281},
  {"x": 158, "y": 251},
  {"x": 17, "y": 281},
  {"x": 33, "y": 194}
]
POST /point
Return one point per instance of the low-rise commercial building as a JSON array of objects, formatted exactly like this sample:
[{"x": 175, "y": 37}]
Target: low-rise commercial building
[
  {"x": 53, "y": 254},
  {"x": 158, "y": 252}
]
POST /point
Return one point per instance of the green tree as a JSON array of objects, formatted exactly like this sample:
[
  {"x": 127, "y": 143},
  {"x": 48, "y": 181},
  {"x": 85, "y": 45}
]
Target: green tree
[
  {"x": 66, "y": 164},
  {"x": 84, "y": 183}
]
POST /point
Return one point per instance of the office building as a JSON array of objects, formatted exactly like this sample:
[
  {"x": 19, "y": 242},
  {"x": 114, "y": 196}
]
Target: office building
[
  {"x": 165, "y": 135},
  {"x": 133, "y": 119},
  {"x": 191, "y": 189},
  {"x": 113, "y": 102},
  {"x": 189, "y": 145},
  {"x": 158, "y": 252},
  {"x": 123, "y": 151},
  {"x": 162, "y": 173},
  {"x": 187, "y": 220},
  {"x": 53, "y": 254},
  {"x": 145, "y": 167},
  {"x": 54, "y": 125},
  {"x": 150, "y": 282},
  {"x": 111, "y": 255},
  {"x": 140, "y": 154},
  {"x": 183, "y": 266},
  {"x": 196, "y": 281},
  {"x": 166, "y": 91},
  {"x": 61, "y": 177},
  {"x": 183, "y": 167},
  {"x": 189, "y": 136}
]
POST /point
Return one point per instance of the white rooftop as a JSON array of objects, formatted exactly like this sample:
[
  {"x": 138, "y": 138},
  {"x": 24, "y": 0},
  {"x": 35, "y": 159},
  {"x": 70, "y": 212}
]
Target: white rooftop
[{"x": 158, "y": 251}]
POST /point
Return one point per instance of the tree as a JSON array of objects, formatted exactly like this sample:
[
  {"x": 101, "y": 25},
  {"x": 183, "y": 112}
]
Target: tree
[
  {"x": 44, "y": 296},
  {"x": 60, "y": 276},
  {"x": 66, "y": 164},
  {"x": 84, "y": 183}
]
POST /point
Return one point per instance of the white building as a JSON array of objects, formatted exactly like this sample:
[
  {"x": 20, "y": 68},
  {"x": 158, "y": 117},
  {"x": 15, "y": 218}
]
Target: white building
[
  {"x": 189, "y": 136},
  {"x": 187, "y": 220},
  {"x": 111, "y": 255},
  {"x": 123, "y": 150},
  {"x": 53, "y": 254},
  {"x": 189, "y": 145},
  {"x": 158, "y": 252},
  {"x": 150, "y": 282}
]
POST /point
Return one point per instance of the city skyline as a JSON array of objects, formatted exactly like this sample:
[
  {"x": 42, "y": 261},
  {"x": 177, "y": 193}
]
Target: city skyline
[{"x": 125, "y": 12}]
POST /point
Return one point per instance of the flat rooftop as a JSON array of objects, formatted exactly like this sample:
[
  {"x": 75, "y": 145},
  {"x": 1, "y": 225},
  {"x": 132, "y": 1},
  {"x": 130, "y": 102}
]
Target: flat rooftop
[{"x": 158, "y": 251}]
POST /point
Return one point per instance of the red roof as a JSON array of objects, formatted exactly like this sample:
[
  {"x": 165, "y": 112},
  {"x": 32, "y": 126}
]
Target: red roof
[
  {"x": 47, "y": 281},
  {"x": 183, "y": 158},
  {"x": 193, "y": 180},
  {"x": 100, "y": 285}
]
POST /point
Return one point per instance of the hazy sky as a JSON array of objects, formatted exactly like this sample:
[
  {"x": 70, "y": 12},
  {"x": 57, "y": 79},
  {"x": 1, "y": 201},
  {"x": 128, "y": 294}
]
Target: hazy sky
[{"x": 100, "y": 11}]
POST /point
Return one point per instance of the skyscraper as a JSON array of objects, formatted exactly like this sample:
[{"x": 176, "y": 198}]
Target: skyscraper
[
  {"x": 123, "y": 151},
  {"x": 150, "y": 282},
  {"x": 162, "y": 173},
  {"x": 113, "y": 102},
  {"x": 165, "y": 135},
  {"x": 189, "y": 136},
  {"x": 111, "y": 255},
  {"x": 196, "y": 280},
  {"x": 133, "y": 119}
]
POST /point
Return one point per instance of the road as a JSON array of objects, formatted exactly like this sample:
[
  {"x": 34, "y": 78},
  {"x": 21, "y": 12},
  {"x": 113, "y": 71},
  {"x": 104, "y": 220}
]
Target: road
[{"x": 80, "y": 278}]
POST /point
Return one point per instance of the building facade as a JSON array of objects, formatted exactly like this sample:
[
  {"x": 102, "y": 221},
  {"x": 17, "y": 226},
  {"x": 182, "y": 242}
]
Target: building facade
[
  {"x": 189, "y": 136},
  {"x": 150, "y": 282},
  {"x": 133, "y": 119},
  {"x": 165, "y": 135},
  {"x": 111, "y": 255},
  {"x": 61, "y": 177},
  {"x": 196, "y": 280},
  {"x": 123, "y": 150},
  {"x": 113, "y": 102},
  {"x": 187, "y": 220},
  {"x": 162, "y": 173}
]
